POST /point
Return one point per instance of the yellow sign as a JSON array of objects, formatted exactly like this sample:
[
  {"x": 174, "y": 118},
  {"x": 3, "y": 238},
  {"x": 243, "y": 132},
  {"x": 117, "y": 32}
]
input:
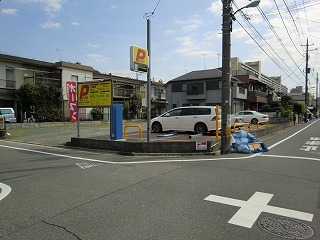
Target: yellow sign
[
  {"x": 139, "y": 59},
  {"x": 94, "y": 94}
]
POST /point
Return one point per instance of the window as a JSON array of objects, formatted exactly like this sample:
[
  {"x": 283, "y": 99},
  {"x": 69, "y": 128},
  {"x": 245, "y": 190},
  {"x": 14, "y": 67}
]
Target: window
[
  {"x": 10, "y": 78},
  {"x": 212, "y": 85},
  {"x": 177, "y": 87},
  {"x": 74, "y": 78},
  {"x": 173, "y": 113},
  {"x": 195, "y": 88},
  {"x": 204, "y": 111}
]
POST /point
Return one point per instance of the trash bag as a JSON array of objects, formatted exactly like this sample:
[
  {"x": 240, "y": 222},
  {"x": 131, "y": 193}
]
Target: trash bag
[{"x": 241, "y": 141}]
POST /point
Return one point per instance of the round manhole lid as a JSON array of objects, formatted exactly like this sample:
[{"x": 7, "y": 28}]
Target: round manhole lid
[{"x": 285, "y": 227}]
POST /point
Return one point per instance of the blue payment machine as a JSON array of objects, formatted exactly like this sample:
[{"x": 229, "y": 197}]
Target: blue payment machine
[{"x": 116, "y": 126}]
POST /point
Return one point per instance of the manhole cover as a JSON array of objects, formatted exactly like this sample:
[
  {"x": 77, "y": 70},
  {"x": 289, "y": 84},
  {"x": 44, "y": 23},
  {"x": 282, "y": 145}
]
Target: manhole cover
[{"x": 285, "y": 227}]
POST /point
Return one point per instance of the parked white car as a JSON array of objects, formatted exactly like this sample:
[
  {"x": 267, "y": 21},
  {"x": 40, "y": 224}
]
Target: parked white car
[
  {"x": 8, "y": 114},
  {"x": 198, "y": 119},
  {"x": 252, "y": 116}
]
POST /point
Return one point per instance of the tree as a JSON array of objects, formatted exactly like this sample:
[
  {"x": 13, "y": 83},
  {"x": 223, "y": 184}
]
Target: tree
[
  {"x": 136, "y": 104},
  {"x": 287, "y": 102},
  {"x": 44, "y": 102}
]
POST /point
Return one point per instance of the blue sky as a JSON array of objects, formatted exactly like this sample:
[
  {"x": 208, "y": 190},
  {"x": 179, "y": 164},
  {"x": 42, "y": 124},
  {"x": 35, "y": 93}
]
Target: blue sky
[{"x": 185, "y": 34}]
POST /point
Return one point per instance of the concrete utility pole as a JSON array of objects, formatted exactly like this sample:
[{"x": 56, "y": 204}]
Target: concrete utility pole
[
  {"x": 226, "y": 78},
  {"x": 306, "y": 87},
  {"x": 227, "y": 18},
  {"x": 317, "y": 94}
]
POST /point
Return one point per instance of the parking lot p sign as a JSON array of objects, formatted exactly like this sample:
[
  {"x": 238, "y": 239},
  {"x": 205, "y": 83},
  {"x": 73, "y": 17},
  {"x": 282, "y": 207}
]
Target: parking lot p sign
[{"x": 139, "y": 59}]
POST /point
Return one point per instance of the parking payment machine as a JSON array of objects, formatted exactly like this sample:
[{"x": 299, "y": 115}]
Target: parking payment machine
[{"x": 116, "y": 128}]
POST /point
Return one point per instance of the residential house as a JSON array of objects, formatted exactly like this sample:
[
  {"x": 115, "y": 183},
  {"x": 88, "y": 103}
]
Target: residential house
[
  {"x": 16, "y": 71},
  {"x": 203, "y": 87},
  {"x": 261, "y": 88}
]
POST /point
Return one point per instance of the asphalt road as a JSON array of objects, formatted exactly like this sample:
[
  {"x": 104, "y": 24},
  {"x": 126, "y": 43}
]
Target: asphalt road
[{"x": 59, "y": 193}]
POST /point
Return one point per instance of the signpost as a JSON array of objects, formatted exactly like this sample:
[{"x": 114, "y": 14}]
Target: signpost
[{"x": 94, "y": 94}]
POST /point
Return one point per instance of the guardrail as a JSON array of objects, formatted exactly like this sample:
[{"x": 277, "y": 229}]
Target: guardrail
[
  {"x": 262, "y": 124},
  {"x": 125, "y": 130},
  {"x": 237, "y": 126}
]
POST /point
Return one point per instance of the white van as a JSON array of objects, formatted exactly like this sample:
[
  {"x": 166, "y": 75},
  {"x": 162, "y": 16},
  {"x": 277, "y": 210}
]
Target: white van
[
  {"x": 8, "y": 114},
  {"x": 198, "y": 119}
]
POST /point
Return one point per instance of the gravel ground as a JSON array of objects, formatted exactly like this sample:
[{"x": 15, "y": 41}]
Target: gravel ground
[{"x": 57, "y": 134}]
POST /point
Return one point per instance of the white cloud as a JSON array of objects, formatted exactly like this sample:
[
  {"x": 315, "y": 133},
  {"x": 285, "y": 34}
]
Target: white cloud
[
  {"x": 190, "y": 47},
  {"x": 92, "y": 45},
  {"x": 50, "y": 6},
  {"x": 98, "y": 59},
  {"x": 190, "y": 24},
  {"x": 50, "y": 25},
  {"x": 216, "y": 8},
  {"x": 9, "y": 11},
  {"x": 75, "y": 24},
  {"x": 114, "y": 6}
]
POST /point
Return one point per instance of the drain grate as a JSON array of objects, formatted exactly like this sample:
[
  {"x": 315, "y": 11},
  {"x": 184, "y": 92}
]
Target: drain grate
[{"x": 285, "y": 227}]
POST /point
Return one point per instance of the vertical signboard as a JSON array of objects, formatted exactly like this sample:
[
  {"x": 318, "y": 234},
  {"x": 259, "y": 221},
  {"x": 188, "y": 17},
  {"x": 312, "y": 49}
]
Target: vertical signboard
[
  {"x": 72, "y": 100},
  {"x": 139, "y": 59}
]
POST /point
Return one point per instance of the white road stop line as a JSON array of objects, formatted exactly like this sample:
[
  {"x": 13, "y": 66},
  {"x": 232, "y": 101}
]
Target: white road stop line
[
  {"x": 5, "y": 190},
  {"x": 250, "y": 210}
]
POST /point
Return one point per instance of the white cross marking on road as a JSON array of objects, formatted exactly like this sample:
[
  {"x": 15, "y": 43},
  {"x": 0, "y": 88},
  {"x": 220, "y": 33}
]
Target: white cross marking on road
[{"x": 250, "y": 210}]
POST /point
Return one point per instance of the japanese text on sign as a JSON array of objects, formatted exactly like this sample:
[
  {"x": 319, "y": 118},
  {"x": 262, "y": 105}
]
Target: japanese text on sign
[
  {"x": 94, "y": 94},
  {"x": 72, "y": 100}
]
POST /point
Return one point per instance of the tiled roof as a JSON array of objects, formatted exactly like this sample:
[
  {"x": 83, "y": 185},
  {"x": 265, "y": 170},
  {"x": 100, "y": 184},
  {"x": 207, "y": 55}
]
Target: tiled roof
[{"x": 199, "y": 75}]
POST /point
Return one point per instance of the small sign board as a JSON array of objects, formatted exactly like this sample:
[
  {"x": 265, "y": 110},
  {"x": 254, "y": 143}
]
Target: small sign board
[
  {"x": 201, "y": 146},
  {"x": 2, "y": 126},
  {"x": 94, "y": 94}
]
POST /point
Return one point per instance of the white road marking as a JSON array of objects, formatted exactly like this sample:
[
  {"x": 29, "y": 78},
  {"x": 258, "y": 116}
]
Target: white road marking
[
  {"x": 161, "y": 161},
  {"x": 87, "y": 165},
  {"x": 293, "y": 157},
  {"x": 250, "y": 210},
  {"x": 283, "y": 140},
  {"x": 5, "y": 190},
  {"x": 121, "y": 163}
]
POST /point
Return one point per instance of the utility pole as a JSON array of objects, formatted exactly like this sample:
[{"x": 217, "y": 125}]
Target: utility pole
[
  {"x": 306, "y": 87},
  {"x": 317, "y": 94},
  {"x": 226, "y": 78},
  {"x": 306, "y": 94}
]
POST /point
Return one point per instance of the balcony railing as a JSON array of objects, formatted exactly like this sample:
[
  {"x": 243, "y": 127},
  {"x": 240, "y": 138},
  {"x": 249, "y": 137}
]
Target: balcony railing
[
  {"x": 256, "y": 93},
  {"x": 8, "y": 84}
]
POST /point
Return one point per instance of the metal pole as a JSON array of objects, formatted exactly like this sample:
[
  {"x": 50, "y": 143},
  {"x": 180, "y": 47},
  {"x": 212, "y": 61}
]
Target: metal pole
[
  {"x": 148, "y": 83},
  {"x": 226, "y": 78},
  {"x": 306, "y": 87},
  {"x": 317, "y": 92}
]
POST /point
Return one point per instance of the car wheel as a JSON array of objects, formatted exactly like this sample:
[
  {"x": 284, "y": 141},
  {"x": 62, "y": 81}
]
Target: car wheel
[
  {"x": 200, "y": 128},
  {"x": 254, "y": 121},
  {"x": 156, "y": 127}
]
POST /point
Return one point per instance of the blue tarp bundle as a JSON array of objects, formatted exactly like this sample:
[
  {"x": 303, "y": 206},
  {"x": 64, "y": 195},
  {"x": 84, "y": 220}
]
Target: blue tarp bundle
[{"x": 241, "y": 141}]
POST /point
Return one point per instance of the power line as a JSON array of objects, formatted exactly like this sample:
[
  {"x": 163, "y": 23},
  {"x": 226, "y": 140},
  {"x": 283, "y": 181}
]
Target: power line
[{"x": 150, "y": 14}]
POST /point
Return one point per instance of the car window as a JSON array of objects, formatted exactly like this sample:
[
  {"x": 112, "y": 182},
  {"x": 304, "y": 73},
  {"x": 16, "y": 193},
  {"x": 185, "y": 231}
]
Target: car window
[
  {"x": 241, "y": 113},
  {"x": 189, "y": 111},
  {"x": 204, "y": 111},
  {"x": 176, "y": 112},
  {"x": 5, "y": 111}
]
